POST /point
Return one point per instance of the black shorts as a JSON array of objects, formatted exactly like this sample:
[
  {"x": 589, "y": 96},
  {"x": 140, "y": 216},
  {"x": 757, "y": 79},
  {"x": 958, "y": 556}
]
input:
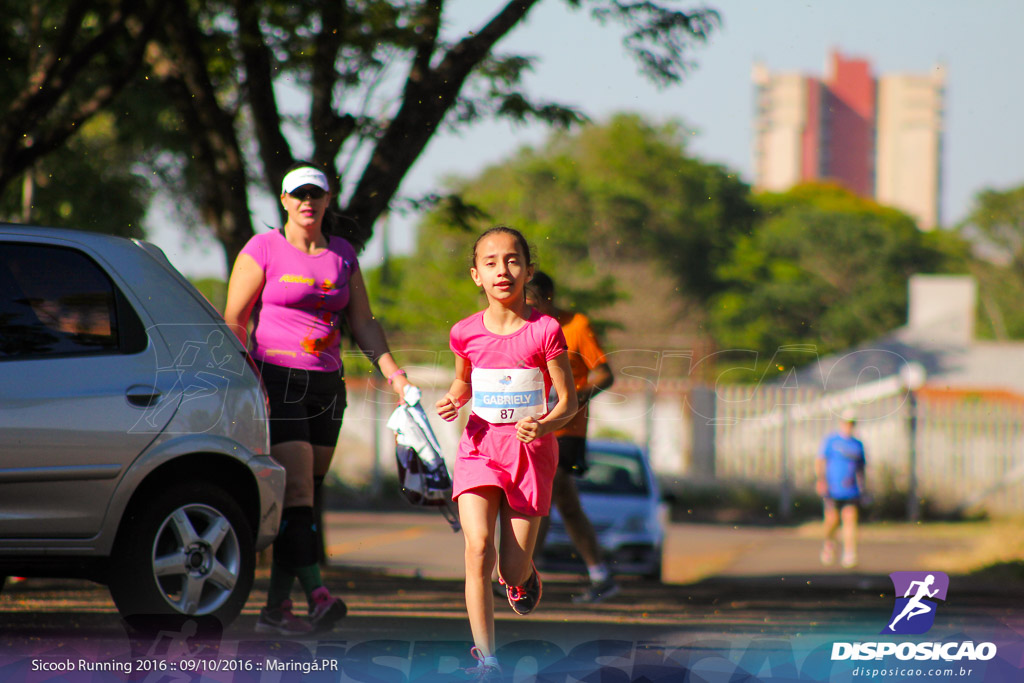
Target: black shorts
[
  {"x": 837, "y": 503},
  {"x": 305, "y": 405},
  {"x": 572, "y": 455}
]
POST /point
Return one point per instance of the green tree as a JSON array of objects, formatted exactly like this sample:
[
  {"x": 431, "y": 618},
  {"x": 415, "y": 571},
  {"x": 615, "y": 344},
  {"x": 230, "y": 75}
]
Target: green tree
[
  {"x": 1000, "y": 291},
  {"x": 591, "y": 202},
  {"x": 363, "y": 84},
  {"x": 64, "y": 61},
  {"x": 68, "y": 150},
  {"x": 996, "y": 221},
  {"x": 995, "y": 226},
  {"x": 824, "y": 269},
  {"x": 52, "y": 192}
]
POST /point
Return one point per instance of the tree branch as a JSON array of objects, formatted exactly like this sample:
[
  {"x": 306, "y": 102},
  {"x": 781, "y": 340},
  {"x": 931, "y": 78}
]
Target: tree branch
[
  {"x": 37, "y": 123},
  {"x": 49, "y": 63},
  {"x": 429, "y": 24},
  {"x": 106, "y": 93},
  {"x": 61, "y": 73},
  {"x": 429, "y": 94},
  {"x": 275, "y": 152},
  {"x": 225, "y": 193},
  {"x": 329, "y": 130}
]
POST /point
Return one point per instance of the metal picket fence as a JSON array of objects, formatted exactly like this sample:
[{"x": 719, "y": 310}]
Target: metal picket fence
[{"x": 955, "y": 450}]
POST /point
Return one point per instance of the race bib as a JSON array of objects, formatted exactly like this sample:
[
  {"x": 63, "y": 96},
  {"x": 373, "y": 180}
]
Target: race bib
[{"x": 508, "y": 395}]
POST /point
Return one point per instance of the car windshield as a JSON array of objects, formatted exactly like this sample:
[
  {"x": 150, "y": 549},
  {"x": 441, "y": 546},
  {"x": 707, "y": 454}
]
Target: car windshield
[{"x": 613, "y": 473}]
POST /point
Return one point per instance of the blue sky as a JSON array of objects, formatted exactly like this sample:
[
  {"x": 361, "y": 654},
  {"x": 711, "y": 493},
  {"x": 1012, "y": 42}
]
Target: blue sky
[{"x": 581, "y": 63}]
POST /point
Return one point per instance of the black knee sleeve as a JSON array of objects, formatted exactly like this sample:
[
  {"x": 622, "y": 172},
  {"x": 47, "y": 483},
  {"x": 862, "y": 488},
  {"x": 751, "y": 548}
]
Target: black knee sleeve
[{"x": 296, "y": 542}]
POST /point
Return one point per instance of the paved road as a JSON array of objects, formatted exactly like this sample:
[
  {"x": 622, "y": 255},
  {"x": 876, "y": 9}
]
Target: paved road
[
  {"x": 734, "y": 599},
  {"x": 421, "y": 544}
]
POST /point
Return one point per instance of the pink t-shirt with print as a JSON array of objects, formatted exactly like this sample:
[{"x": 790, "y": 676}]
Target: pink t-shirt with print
[
  {"x": 296, "y": 320},
  {"x": 489, "y": 453}
]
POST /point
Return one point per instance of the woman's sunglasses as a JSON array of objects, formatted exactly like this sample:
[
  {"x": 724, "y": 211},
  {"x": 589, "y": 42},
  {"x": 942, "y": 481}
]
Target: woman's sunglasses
[{"x": 307, "y": 192}]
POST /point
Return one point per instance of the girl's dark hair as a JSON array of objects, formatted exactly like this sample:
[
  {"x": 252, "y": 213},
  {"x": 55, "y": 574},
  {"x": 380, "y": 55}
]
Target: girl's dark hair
[
  {"x": 518, "y": 236},
  {"x": 332, "y": 219}
]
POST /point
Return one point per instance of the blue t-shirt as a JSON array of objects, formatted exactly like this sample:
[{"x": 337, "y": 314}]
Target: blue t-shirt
[{"x": 844, "y": 456}]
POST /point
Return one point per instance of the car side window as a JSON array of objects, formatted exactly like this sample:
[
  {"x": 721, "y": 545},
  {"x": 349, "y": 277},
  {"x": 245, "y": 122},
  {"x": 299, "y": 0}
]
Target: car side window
[{"x": 56, "y": 301}]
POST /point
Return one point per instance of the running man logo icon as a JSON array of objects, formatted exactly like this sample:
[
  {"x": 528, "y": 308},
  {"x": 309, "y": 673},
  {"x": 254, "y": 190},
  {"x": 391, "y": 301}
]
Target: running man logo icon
[{"x": 914, "y": 612}]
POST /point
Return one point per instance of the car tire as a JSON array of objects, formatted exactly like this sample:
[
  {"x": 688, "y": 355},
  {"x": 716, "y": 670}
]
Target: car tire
[{"x": 186, "y": 553}]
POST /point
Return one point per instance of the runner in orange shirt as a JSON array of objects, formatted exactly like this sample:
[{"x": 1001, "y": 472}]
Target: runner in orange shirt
[{"x": 591, "y": 375}]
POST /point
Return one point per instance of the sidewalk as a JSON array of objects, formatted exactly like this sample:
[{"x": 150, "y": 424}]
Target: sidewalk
[{"x": 775, "y": 555}]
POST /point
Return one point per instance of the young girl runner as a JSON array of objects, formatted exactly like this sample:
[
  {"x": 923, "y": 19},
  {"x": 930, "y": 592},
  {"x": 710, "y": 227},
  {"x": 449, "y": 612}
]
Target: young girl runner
[{"x": 507, "y": 358}]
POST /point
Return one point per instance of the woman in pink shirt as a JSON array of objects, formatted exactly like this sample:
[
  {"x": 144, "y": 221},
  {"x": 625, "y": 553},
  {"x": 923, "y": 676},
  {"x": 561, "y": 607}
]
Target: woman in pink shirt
[
  {"x": 296, "y": 285},
  {"x": 507, "y": 358}
]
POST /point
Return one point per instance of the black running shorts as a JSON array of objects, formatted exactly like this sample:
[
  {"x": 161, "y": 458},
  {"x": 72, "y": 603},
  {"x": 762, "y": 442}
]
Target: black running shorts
[{"x": 305, "y": 405}]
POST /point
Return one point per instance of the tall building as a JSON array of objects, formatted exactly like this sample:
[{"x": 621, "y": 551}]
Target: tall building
[{"x": 879, "y": 138}]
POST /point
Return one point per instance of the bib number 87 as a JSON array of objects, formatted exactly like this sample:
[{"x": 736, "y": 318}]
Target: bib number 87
[{"x": 506, "y": 413}]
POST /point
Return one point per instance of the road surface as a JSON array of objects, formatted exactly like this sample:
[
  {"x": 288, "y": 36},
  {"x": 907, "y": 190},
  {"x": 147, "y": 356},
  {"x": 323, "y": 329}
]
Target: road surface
[{"x": 736, "y": 602}]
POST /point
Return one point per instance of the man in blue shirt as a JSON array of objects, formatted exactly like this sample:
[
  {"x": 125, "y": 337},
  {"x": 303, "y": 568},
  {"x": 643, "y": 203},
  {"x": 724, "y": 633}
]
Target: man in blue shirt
[{"x": 840, "y": 483}]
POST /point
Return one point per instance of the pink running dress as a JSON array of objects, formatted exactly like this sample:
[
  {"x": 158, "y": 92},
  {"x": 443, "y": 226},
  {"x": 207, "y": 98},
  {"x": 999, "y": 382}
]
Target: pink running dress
[{"x": 510, "y": 381}]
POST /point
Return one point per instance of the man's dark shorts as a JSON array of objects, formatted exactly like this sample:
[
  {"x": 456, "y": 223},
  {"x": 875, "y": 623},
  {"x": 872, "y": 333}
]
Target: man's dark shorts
[
  {"x": 839, "y": 503},
  {"x": 305, "y": 405},
  {"x": 572, "y": 455}
]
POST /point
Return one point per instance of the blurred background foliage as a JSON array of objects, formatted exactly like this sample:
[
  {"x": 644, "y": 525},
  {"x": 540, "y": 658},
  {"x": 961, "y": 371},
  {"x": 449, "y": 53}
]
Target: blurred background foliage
[
  {"x": 107, "y": 106},
  {"x": 660, "y": 248}
]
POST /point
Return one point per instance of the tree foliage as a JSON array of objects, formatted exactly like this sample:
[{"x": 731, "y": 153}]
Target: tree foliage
[
  {"x": 995, "y": 226},
  {"x": 997, "y": 221},
  {"x": 70, "y": 142},
  {"x": 1000, "y": 292},
  {"x": 825, "y": 270},
  {"x": 54, "y": 191},
  {"x": 64, "y": 61},
  {"x": 359, "y": 87},
  {"x": 590, "y": 201}
]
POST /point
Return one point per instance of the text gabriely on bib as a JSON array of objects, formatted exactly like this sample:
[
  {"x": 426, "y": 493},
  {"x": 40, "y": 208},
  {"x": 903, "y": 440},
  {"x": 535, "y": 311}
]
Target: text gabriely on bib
[{"x": 508, "y": 395}]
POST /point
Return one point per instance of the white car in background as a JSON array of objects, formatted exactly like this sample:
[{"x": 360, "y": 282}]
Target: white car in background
[{"x": 620, "y": 495}]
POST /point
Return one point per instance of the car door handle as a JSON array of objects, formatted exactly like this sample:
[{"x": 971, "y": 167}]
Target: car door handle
[{"x": 143, "y": 396}]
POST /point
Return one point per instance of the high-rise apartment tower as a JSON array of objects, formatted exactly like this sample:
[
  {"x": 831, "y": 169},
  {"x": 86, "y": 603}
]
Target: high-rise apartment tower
[{"x": 879, "y": 138}]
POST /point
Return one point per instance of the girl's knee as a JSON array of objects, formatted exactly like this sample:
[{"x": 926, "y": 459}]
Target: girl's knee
[{"x": 480, "y": 553}]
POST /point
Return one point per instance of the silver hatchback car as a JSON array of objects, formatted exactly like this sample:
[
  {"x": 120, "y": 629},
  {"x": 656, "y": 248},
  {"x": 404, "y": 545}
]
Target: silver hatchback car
[{"x": 134, "y": 448}]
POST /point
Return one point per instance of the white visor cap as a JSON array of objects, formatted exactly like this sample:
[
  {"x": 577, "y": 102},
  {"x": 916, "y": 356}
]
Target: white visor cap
[{"x": 304, "y": 176}]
